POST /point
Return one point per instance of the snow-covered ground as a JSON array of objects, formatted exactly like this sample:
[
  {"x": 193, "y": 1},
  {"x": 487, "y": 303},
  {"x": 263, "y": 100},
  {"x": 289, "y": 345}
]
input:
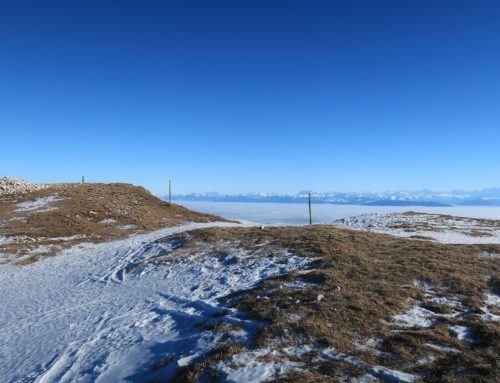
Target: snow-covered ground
[
  {"x": 103, "y": 313},
  {"x": 88, "y": 315},
  {"x": 444, "y": 229},
  {"x": 38, "y": 205}
]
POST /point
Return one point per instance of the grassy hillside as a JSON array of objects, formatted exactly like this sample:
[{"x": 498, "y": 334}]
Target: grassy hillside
[
  {"x": 366, "y": 304},
  {"x": 63, "y": 215}
]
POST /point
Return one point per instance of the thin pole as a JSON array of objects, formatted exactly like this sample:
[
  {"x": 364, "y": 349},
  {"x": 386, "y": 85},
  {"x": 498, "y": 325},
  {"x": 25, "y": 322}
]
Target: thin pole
[
  {"x": 83, "y": 179},
  {"x": 310, "y": 214},
  {"x": 169, "y": 192}
]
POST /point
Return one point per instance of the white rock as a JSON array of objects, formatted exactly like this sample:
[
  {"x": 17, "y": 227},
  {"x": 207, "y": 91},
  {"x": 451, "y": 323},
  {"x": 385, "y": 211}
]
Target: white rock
[{"x": 15, "y": 186}]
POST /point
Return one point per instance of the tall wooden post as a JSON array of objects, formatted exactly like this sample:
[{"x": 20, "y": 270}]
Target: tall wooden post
[
  {"x": 310, "y": 213},
  {"x": 169, "y": 192}
]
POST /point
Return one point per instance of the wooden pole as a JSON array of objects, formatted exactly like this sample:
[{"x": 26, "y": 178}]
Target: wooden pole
[
  {"x": 310, "y": 213},
  {"x": 169, "y": 192}
]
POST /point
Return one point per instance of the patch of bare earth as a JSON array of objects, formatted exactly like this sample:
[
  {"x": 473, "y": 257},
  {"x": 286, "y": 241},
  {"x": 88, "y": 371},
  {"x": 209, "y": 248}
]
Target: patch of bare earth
[
  {"x": 42, "y": 222},
  {"x": 368, "y": 306}
]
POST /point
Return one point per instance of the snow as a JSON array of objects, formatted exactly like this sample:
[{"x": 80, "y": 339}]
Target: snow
[
  {"x": 389, "y": 376},
  {"x": 492, "y": 300},
  {"x": 44, "y": 249},
  {"x": 380, "y": 372},
  {"x": 370, "y": 343},
  {"x": 443, "y": 229},
  {"x": 283, "y": 214},
  {"x": 92, "y": 315},
  {"x": 427, "y": 286},
  {"x": 7, "y": 240},
  {"x": 428, "y": 359},
  {"x": 4, "y": 240},
  {"x": 461, "y": 332},
  {"x": 447, "y": 302},
  {"x": 418, "y": 316},
  {"x": 488, "y": 316},
  {"x": 298, "y": 284},
  {"x": 108, "y": 221},
  {"x": 486, "y": 254},
  {"x": 379, "y": 219},
  {"x": 87, "y": 315},
  {"x": 430, "y": 290},
  {"x": 40, "y": 204},
  {"x": 127, "y": 227},
  {"x": 441, "y": 348},
  {"x": 65, "y": 239},
  {"x": 415, "y": 317},
  {"x": 247, "y": 368},
  {"x": 364, "y": 379},
  {"x": 299, "y": 351},
  {"x": 293, "y": 317}
]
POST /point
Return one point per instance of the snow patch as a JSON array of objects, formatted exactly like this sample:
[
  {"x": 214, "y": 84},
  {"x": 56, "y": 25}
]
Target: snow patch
[
  {"x": 43, "y": 249},
  {"x": 246, "y": 367},
  {"x": 299, "y": 351},
  {"x": 415, "y": 317},
  {"x": 446, "y": 302},
  {"x": 39, "y": 205},
  {"x": 108, "y": 221},
  {"x": 461, "y": 332},
  {"x": 492, "y": 300},
  {"x": 486, "y": 254},
  {"x": 7, "y": 240},
  {"x": 388, "y": 375},
  {"x": 444, "y": 229},
  {"x": 380, "y": 372},
  {"x": 126, "y": 227},
  {"x": 293, "y": 318},
  {"x": 489, "y": 316},
  {"x": 298, "y": 284},
  {"x": 65, "y": 239},
  {"x": 428, "y": 359},
  {"x": 364, "y": 379},
  {"x": 442, "y": 348},
  {"x": 427, "y": 286}
]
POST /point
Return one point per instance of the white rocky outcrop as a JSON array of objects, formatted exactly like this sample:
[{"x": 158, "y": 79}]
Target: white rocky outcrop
[{"x": 15, "y": 186}]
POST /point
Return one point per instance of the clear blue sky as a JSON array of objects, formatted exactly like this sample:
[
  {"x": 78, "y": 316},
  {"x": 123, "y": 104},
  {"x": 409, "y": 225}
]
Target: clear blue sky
[{"x": 236, "y": 96}]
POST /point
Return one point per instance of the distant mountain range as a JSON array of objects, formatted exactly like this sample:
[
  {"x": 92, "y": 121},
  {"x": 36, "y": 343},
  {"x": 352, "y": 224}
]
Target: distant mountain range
[{"x": 485, "y": 197}]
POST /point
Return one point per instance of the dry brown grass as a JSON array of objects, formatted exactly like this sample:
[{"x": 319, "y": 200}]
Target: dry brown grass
[
  {"x": 376, "y": 275},
  {"x": 192, "y": 372},
  {"x": 80, "y": 210}
]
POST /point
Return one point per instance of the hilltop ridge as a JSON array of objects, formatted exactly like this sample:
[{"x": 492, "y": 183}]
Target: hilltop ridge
[{"x": 40, "y": 220}]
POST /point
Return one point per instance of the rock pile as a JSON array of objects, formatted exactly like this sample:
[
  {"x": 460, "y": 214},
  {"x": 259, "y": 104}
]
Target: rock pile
[{"x": 14, "y": 186}]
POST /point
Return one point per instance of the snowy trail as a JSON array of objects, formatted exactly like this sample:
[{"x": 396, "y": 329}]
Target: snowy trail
[{"x": 81, "y": 317}]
